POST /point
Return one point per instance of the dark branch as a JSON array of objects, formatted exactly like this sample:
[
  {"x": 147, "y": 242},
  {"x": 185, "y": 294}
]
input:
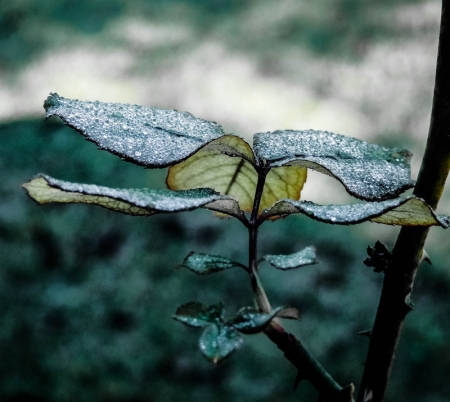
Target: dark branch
[{"x": 408, "y": 251}]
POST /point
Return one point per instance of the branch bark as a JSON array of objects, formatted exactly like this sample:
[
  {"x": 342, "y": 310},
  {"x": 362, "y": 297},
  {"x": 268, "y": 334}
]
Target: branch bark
[{"x": 408, "y": 250}]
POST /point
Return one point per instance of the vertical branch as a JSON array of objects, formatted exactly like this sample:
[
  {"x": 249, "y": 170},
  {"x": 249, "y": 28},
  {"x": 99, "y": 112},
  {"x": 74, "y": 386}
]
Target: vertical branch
[
  {"x": 308, "y": 367},
  {"x": 408, "y": 250},
  {"x": 258, "y": 291}
]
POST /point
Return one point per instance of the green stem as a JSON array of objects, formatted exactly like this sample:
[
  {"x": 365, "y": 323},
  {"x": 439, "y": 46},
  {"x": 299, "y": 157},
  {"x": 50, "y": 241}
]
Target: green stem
[
  {"x": 308, "y": 368},
  {"x": 408, "y": 249},
  {"x": 260, "y": 297}
]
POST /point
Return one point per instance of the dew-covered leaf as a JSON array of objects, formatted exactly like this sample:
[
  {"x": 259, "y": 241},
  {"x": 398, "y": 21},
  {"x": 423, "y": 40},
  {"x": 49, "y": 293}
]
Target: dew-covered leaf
[
  {"x": 195, "y": 314},
  {"x": 227, "y": 166},
  {"x": 218, "y": 341},
  {"x": 204, "y": 264},
  {"x": 307, "y": 256},
  {"x": 248, "y": 320},
  {"x": 367, "y": 171},
  {"x": 147, "y": 136},
  {"x": 45, "y": 189},
  {"x": 409, "y": 211}
]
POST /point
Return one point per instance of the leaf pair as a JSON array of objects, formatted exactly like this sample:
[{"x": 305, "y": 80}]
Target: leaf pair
[
  {"x": 157, "y": 138},
  {"x": 200, "y": 155},
  {"x": 204, "y": 264},
  {"x": 220, "y": 338}
]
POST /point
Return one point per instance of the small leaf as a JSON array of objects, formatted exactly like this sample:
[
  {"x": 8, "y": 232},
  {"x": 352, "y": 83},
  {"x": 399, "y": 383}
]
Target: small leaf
[
  {"x": 218, "y": 341},
  {"x": 146, "y": 136},
  {"x": 45, "y": 189},
  {"x": 195, "y": 314},
  {"x": 367, "y": 171},
  {"x": 307, "y": 256},
  {"x": 227, "y": 166},
  {"x": 204, "y": 264},
  {"x": 410, "y": 211},
  {"x": 248, "y": 320}
]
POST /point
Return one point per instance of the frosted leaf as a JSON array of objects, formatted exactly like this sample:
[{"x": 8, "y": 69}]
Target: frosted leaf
[
  {"x": 410, "y": 211},
  {"x": 204, "y": 264},
  {"x": 307, "y": 256},
  {"x": 195, "y": 314},
  {"x": 248, "y": 320},
  {"x": 213, "y": 167},
  {"x": 147, "y": 136},
  {"x": 218, "y": 341},
  {"x": 367, "y": 171},
  {"x": 45, "y": 189}
]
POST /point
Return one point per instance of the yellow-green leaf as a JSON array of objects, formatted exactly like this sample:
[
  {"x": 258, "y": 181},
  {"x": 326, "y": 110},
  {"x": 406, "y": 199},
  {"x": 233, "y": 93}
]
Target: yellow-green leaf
[{"x": 227, "y": 166}]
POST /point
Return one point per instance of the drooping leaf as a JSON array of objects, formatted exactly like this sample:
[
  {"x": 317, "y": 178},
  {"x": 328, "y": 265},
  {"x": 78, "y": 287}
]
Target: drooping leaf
[
  {"x": 195, "y": 314},
  {"x": 204, "y": 264},
  {"x": 147, "y": 136},
  {"x": 367, "y": 171},
  {"x": 248, "y": 320},
  {"x": 227, "y": 166},
  {"x": 218, "y": 341},
  {"x": 307, "y": 256},
  {"x": 410, "y": 211},
  {"x": 45, "y": 189}
]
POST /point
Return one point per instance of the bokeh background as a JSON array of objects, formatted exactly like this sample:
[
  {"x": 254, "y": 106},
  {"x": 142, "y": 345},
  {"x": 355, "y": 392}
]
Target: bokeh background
[{"x": 86, "y": 295}]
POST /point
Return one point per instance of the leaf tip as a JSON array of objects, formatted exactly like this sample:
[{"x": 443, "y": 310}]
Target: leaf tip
[{"x": 53, "y": 100}]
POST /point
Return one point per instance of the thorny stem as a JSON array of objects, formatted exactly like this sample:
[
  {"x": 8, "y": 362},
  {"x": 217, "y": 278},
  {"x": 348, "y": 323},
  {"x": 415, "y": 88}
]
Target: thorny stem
[
  {"x": 408, "y": 250},
  {"x": 308, "y": 368}
]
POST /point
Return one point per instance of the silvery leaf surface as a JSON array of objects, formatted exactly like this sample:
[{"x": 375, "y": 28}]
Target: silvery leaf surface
[
  {"x": 218, "y": 341},
  {"x": 204, "y": 264},
  {"x": 307, "y": 256},
  {"x": 249, "y": 320},
  {"x": 195, "y": 314},
  {"x": 368, "y": 171},
  {"x": 410, "y": 211},
  {"x": 45, "y": 189},
  {"x": 147, "y": 136}
]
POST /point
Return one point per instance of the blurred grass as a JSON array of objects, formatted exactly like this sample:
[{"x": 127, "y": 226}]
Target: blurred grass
[{"x": 86, "y": 295}]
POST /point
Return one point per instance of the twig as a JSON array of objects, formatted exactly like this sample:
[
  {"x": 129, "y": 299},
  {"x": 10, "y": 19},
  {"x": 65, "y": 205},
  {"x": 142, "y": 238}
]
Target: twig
[{"x": 308, "y": 368}]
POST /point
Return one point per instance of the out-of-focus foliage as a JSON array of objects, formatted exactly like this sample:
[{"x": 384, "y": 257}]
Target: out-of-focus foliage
[
  {"x": 86, "y": 295},
  {"x": 323, "y": 27}
]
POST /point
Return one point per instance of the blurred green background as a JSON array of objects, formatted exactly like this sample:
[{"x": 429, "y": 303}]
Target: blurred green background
[{"x": 86, "y": 295}]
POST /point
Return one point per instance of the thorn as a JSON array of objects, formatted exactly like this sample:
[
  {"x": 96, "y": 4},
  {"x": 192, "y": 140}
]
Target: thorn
[
  {"x": 298, "y": 379},
  {"x": 409, "y": 305},
  {"x": 368, "y": 395},
  {"x": 346, "y": 393},
  {"x": 425, "y": 257},
  {"x": 367, "y": 333}
]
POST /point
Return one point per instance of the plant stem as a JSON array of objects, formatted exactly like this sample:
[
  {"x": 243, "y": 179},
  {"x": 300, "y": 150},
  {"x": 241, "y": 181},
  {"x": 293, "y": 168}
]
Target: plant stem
[
  {"x": 308, "y": 368},
  {"x": 260, "y": 297},
  {"x": 408, "y": 249}
]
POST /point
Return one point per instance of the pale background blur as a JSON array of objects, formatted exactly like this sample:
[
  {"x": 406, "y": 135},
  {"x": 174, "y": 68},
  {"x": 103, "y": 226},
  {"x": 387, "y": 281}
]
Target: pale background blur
[{"x": 353, "y": 67}]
